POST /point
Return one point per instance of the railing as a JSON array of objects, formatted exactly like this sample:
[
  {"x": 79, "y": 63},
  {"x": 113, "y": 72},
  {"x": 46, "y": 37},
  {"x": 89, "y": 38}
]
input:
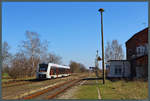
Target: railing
[{"x": 139, "y": 54}]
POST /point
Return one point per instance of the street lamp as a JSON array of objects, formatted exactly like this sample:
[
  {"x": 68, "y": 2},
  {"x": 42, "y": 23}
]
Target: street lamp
[{"x": 101, "y": 10}]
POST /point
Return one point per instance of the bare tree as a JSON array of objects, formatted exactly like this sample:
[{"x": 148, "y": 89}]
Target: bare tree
[
  {"x": 44, "y": 51},
  {"x": 74, "y": 67},
  {"x": 33, "y": 48},
  {"x": 6, "y": 56},
  {"x": 53, "y": 58},
  {"x": 77, "y": 67},
  {"x": 82, "y": 67},
  {"x": 114, "y": 51},
  {"x": 19, "y": 65},
  {"x": 108, "y": 52}
]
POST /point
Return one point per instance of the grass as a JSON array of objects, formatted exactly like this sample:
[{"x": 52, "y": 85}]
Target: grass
[
  {"x": 124, "y": 90},
  {"x": 5, "y": 75},
  {"x": 88, "y": 91},
  {"x": 26, "y": 78},
  {"x": 7, "y": 78},
  {"x": 120, "y": 89}
]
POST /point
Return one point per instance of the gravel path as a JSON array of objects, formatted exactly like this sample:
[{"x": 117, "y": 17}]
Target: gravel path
[{"x": 69, "y": 94}]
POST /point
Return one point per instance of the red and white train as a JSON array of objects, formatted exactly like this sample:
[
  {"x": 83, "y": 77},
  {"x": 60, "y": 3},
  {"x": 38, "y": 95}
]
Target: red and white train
[{"x": 50, "y": 70}]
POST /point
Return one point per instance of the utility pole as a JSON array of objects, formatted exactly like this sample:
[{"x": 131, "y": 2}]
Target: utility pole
[
  {"x": 96, "y": 63},
  {"x": 101, "y": 10},
  {"x": 96, "y": 59}
]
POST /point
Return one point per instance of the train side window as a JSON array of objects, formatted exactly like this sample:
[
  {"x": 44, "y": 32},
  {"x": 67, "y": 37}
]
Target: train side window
[{"x": 54, "y": 70}]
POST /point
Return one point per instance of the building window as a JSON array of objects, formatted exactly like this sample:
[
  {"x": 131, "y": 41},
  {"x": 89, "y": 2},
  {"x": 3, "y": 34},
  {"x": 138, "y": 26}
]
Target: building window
[
  {"x": 130, "y": 51},
  {"x": 140, "y": 50},
  {"x": 118, "y": 70}
]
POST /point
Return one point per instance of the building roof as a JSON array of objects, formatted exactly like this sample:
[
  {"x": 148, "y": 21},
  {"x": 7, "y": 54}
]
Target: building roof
[{"x": 136, "y": 34}]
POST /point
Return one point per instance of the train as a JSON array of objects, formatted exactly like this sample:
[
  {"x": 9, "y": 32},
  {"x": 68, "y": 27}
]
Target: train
[{"x": 51, "y": 70}]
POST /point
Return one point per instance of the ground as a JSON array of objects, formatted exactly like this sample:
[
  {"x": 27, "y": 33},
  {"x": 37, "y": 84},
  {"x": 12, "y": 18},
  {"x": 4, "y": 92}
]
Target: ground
[
  {"x": 16, "y": 92},
  {"x": 120, "y": 89},
  {"x": 88, "y": 89}
]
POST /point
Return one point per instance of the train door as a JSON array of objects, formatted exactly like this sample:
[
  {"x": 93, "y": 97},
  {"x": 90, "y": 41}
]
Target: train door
[
  {"x": 53, "y": 72},
  {"x": 57, "y": 72}
]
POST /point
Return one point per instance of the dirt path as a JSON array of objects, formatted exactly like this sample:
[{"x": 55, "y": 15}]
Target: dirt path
[{"x": 98, "y": 90}]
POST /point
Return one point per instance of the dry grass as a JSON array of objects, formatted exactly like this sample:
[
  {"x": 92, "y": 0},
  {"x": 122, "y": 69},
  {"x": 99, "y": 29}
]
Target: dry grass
[
  {"x": 124, "y": 90},
  {"x": 87, "y": 90}
]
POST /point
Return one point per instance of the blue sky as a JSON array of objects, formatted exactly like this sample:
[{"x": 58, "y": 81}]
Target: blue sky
[{"x": 73, "y": 28}]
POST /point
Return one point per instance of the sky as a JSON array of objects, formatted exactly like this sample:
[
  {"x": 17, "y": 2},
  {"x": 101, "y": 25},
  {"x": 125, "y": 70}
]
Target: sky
[{"x": 73, "y": 29}]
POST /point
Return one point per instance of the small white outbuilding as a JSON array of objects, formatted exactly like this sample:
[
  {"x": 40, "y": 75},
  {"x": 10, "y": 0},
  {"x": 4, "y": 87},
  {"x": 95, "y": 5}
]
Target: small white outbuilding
[{"x": 118, "y": 68}]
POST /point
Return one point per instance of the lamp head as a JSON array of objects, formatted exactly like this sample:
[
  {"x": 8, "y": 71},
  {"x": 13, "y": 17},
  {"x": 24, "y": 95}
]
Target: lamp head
[
  {"x": 101, "y": 10},
  {"x": 99, "y": 58}
]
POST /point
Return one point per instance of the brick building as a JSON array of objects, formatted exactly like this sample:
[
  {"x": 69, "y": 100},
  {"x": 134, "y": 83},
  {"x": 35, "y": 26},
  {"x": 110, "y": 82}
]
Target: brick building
[{"x": 137, "y": 54}]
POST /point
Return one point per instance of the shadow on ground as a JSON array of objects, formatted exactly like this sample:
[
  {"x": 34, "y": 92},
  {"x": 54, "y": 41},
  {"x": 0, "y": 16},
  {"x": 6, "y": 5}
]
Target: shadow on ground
[
  {"x": 92, "y": 78},
  {"x": 91, "y": 82},
  {"x": 35, "y": 80},
  {"x": 38, "y": 80}
]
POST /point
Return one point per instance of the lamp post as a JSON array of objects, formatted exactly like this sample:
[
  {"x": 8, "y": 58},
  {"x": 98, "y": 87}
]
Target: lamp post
[{"x": 101, "y": 10}]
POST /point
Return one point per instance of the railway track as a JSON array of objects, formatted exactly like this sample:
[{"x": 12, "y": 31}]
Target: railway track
[
  {"x": 15, "y": 84},
  {"x": 52, "y": 92},
  {"x": 22, "y": 82},
  {"x": 19, "y": 83}
]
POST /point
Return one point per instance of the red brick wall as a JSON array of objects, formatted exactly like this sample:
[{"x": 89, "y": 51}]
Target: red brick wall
[
  {"x": 138, "y": 39},
  {"x": 143, "y": 62}
]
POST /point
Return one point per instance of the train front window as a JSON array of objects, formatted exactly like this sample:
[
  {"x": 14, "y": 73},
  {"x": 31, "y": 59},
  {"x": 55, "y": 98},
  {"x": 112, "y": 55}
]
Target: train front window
[{"x": 43, "y": 67}]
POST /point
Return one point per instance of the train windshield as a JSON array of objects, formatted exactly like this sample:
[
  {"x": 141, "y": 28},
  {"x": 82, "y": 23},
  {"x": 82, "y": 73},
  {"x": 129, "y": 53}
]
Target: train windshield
[{"x": 43, "y": 67}]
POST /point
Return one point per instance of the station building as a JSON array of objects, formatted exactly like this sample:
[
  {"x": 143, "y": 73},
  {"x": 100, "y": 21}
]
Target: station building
[
  {"x": 137, "y": 54},
  {"x": 118, "y": 69}
]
